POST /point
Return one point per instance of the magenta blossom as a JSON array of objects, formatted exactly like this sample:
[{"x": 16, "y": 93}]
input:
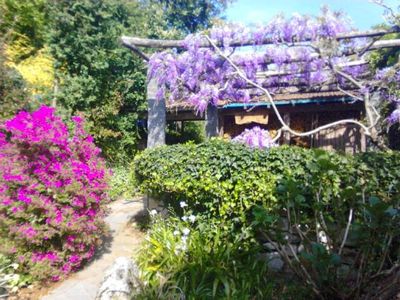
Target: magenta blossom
[{"x": 53, "y": 192}]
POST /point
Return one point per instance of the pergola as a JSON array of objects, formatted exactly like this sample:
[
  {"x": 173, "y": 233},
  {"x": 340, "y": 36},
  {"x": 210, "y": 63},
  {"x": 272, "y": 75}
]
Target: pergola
[{"x": 157, "y": 108}]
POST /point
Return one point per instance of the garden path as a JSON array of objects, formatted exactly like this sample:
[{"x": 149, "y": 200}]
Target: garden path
[{"x": 125, "y": 239}]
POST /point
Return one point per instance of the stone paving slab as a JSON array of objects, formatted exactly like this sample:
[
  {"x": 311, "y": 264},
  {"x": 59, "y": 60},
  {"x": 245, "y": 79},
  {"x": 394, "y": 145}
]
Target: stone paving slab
[{"x": 84, "y": 284}]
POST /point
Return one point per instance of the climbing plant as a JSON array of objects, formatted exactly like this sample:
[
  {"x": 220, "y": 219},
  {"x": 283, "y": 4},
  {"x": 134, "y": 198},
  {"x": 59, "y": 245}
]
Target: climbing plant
[{"x": 305, "y": 52}]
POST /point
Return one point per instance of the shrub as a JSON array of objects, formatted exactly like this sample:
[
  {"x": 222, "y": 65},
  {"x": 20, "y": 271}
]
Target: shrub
[
  {"x": 339, "y": 214},
  {"x": 220, "y": 178},
  {"x": 386, "y": 173},
  {"x": 53, "y": 193},
  {"x": 12, "y": 89},
  {"x": 190, "y": 131},
  {"x": 344, "y": 215}
]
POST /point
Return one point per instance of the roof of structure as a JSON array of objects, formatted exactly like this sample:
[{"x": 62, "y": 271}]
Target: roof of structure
[{"x": 279, "y": 98}]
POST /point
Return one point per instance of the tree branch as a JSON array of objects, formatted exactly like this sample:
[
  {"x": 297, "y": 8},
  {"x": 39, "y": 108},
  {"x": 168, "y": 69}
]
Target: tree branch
[{"x": 285, "y": 127}]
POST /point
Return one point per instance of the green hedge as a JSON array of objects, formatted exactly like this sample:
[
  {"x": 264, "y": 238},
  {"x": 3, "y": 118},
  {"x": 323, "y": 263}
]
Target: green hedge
[
  {"x": 209, "y": 176},
  {"x": 385, "y": 170},
  {"x": 218, "y": 172},
  {"x": 227, "y": 179}
]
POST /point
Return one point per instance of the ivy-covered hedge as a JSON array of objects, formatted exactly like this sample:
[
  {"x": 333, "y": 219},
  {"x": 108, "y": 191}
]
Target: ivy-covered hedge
[
  {"x": 232, "y": 174},
  {"x": 228, "y": 178},
  {"x": 385, "y": 170},
  {"x": 216, "y": 176}
]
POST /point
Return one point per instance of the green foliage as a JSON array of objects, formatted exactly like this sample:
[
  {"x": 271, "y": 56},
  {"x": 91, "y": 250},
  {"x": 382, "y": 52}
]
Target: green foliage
[
  {"x": 96, "y": 75},
  {"x": 12, "y": 90},
  {"x": 25, "y": 23},
  {"x": 192, "y": 131},
  {"x": 317, "y": 207},
  {"x": 122, "y": 183},
  {"x": 10, "y": 278},
  {"x": 385, "y": 167},
  {"x": 193, "y": 15},
  {"x": 202, "y": 264},
  {"x": 290, "y": 193},
  {"x": 220, "y": 178}
]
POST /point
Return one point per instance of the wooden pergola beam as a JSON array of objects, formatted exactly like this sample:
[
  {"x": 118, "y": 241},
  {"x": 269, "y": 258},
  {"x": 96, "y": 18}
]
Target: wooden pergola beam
[
  {"x": 273, "y": 73},
  {"x": 380, "y": 44},
  {"x": 154, "y": 43}
]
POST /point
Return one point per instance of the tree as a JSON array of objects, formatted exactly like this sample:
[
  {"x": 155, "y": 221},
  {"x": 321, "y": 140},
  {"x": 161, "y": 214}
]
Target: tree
[
  {"x": 26, "y": 24},
  {"x": 193, "y": 15},
  {"x": 96, "y": 75},
  {"x": 12, "y": 91},
  {"x": 12, "y": 86}
]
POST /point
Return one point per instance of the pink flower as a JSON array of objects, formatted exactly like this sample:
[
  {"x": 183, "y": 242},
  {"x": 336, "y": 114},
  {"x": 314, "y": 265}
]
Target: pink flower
[
  {"x": 29, "y": 232},
  {"x": 50, "y": 180},
  {"x": 74, "y": 259},
  {"x": 22, "y": 196}
]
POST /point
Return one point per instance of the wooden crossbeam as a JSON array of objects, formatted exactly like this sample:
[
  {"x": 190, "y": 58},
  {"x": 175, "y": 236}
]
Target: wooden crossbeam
[{"x": 133, "y": 42}]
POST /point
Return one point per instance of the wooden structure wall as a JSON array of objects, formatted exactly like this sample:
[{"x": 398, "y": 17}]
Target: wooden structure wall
[{"x": 349, "y": 139}]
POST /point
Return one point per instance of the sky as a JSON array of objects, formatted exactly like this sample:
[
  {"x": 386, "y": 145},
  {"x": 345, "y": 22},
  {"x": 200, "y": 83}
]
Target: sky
[{"x": 363, "y": 13}]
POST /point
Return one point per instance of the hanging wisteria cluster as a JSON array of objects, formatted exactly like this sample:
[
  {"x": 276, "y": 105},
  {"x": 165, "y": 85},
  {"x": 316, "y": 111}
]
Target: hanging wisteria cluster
[
  {"x": 255, "y": 137},
  {"x": 388, "y": 81},
  {"x": 302, "y": 52}
]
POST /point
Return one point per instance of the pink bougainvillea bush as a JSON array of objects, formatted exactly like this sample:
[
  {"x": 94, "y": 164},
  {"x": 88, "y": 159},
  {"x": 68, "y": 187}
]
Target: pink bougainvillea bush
[
  {"x": 255, "y": 137},
  {"x": 52, "y": 193}
]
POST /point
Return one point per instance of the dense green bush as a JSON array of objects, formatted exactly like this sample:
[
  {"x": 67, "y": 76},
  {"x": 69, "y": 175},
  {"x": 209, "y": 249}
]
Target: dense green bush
[
  {"x": 12, "y": 90},
  {"x": 386, "y": 173},
  {"x": 221, "y": 178},
  {"x": 343, "y": 210}
]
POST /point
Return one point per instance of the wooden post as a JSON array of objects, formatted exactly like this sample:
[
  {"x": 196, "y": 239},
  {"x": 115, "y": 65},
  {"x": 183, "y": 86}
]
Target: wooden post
[
  {"x": 314, "y": 124},
  {"x": 286, "y": 135},
  {"x": 156, "y": 118},
  {"x": 211, "y": 121}
]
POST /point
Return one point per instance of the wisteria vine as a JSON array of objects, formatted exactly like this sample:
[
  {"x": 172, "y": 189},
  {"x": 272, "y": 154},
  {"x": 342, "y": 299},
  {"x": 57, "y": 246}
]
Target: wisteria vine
[{"x": 302, "y": 52}]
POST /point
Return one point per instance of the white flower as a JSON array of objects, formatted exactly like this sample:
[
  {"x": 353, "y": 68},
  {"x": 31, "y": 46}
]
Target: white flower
[
  {"x": 186, "y": 231},
  {"x": 176, "y": 232},
  {"x": 153, "y": 212},
  {"x": 184, "y": 218},
  {"x": 192, "y": 218},
  {"x": 183, "y": 204}
]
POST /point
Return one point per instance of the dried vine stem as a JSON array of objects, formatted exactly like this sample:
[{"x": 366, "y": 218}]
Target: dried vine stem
[
  {"x": 285, "y": 127},
  {"x": 285, "y": 256},
  {"x": 346, "y": 233}
]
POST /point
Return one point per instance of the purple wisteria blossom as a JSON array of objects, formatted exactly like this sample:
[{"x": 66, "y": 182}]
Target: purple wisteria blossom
[
  {"x": 394, "y": 117},
  {"x": 201, "y": 77},
  {"x": 255, "y": 137}
]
